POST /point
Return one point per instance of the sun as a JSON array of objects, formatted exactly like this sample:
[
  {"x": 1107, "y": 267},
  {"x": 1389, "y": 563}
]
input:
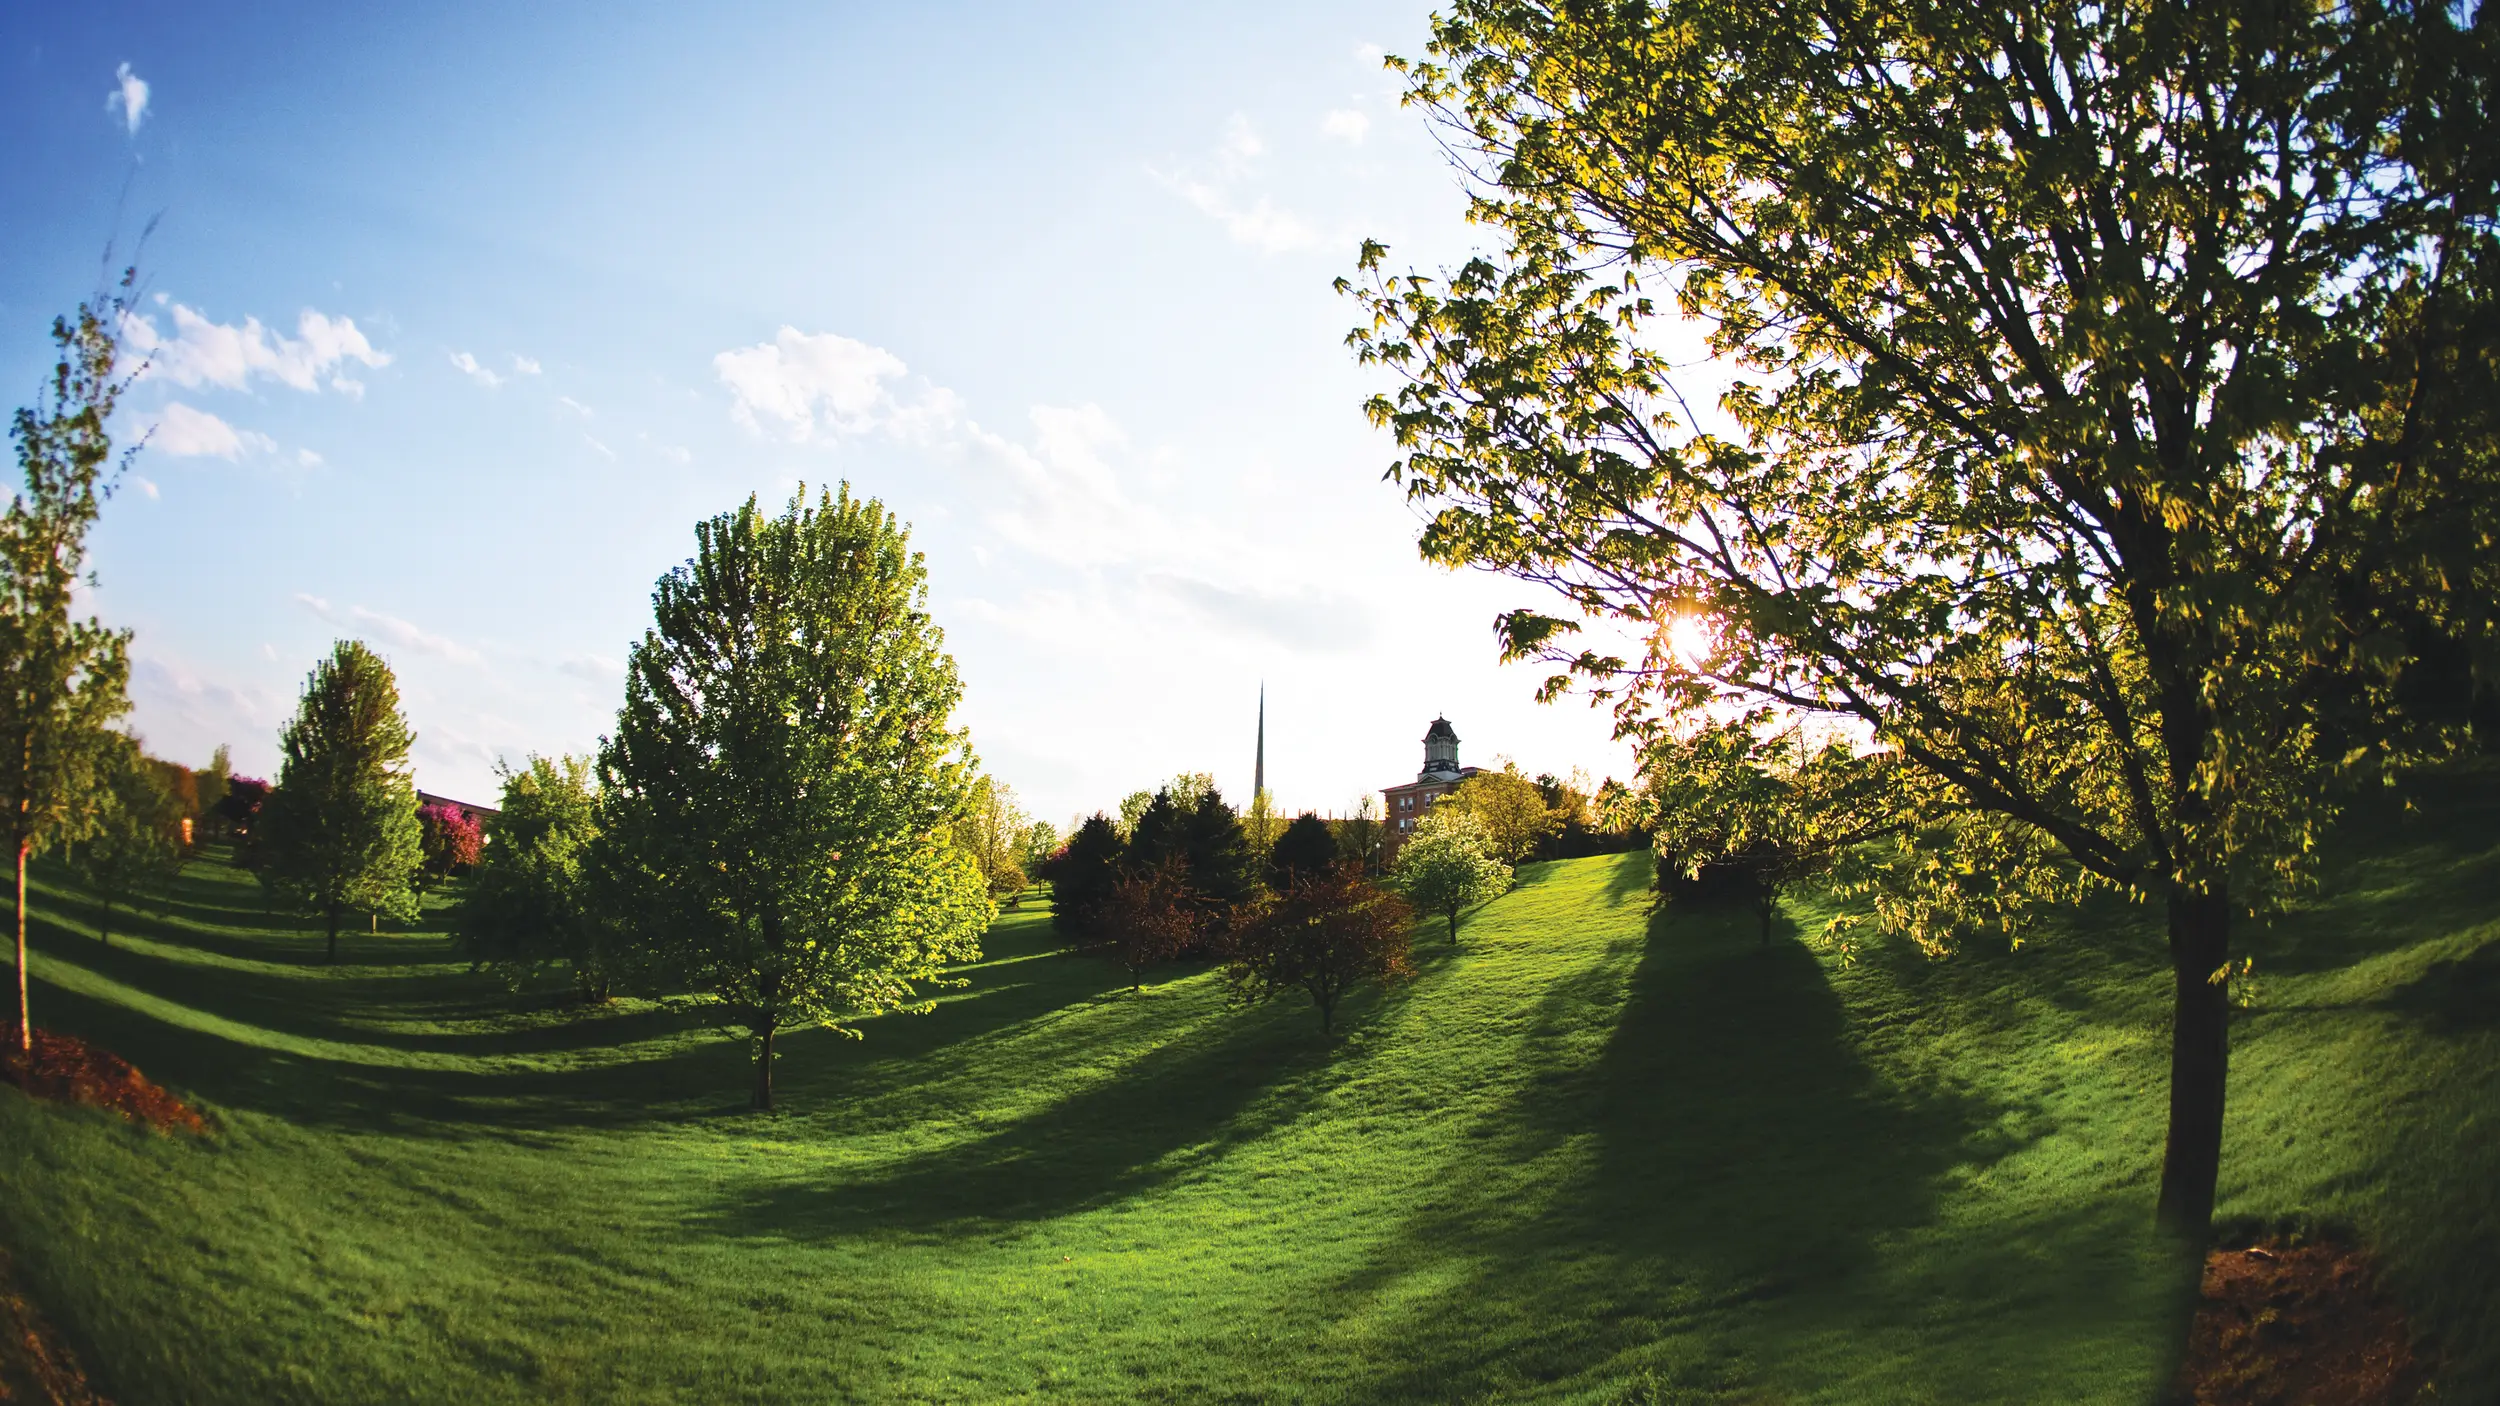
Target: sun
[{"x": 1689, "y": 639}]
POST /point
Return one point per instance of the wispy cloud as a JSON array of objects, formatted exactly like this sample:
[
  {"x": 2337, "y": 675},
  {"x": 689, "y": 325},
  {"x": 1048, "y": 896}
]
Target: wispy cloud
[
  {"x": 1346, "y": 125},
  {"x": 802, "y": 387},
  {"x": 1214, "y": 187},
  {"x": 205, "y": 353},
  {"x": 188, "y": 433},
  {"x": 593, "y": 442},
  {"x": 128, "y": 98},
  {"x": 475, "y": 371},
  {"x": 575, "y": 406},
  {"x": 390, "y": 628},
  {"x": 525, "y": 365},
  {"x": 1305, "y": 619},
  {"x": 146, "y": 485}
]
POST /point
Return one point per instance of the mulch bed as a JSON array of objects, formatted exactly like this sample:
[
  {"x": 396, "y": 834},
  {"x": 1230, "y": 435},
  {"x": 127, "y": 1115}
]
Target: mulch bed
[
  {"x": 66, "y": 1069},
  {"x": 2298, "y": 1324}
]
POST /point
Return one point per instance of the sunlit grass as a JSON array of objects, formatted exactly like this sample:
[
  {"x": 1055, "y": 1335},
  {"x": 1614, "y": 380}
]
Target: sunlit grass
[{"x": 1589, "y": 1155}]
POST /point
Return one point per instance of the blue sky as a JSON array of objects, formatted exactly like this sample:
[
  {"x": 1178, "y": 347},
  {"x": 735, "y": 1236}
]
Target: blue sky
[{"x": 465, "y": 314}]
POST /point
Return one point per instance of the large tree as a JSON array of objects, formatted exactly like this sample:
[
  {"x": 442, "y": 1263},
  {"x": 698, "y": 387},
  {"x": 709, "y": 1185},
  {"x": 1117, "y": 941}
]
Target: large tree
[
  {"x": 2111, "y": 424},
  {"x": 338, "y": 834},
  {"x": 786, "y": 778},
  {"x": 63, "y": 681}
]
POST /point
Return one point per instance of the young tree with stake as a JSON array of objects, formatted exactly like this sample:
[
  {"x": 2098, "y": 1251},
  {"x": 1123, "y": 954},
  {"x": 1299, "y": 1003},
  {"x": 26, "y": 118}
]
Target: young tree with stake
[
  {"x": 784, "y": 778},
  {"x": 62, "y": 681},
  {"x": 2116, "y": 445},
  {"x": 338, "y": 834}
]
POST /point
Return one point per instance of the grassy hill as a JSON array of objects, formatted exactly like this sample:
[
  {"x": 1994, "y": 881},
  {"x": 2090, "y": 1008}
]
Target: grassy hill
[{"x": 1588, "y": 1156}]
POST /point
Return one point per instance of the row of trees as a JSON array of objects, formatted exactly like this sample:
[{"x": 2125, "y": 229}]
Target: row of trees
[{"x": 1181, "y": 874}]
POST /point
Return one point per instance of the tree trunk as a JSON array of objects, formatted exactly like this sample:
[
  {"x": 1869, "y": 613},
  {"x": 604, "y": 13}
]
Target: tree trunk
[
  {"x": 2200, "y": 942},
  {"x": 764, "y": 1068},
  {"x": 333, "y": 956},
  {"x": 25, "y": 1012},
  {"x": 1453, "y": 927},
  {"x": 1327, "y": 1018}
]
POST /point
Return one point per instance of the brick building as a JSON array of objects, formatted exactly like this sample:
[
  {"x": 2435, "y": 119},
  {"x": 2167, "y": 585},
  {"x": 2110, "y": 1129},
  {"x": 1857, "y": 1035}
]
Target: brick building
[{"x": 1405, "y": 804}]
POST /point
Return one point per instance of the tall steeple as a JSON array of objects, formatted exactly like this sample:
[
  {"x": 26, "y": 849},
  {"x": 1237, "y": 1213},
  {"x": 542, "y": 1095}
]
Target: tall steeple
[{"x": 1258, "y": 773}]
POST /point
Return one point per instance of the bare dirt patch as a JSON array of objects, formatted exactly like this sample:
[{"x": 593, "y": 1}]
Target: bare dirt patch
[
  {"x": 2298, "y": 1324},
  {"x": 66, "y": 1069},
  {"x": 36, "y": 1367}
]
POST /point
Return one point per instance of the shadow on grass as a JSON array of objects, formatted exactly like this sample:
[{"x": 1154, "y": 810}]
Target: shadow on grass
[{"x": 1736, "y": 1150}]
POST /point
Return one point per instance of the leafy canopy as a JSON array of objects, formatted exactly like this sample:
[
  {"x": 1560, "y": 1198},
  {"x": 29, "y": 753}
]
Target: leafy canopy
[
  {"x": 2111, "y": 419},
  {"x": 338, "y": 833},
  {"x": 1324, "y": 933},
  {"x": 1448, "y": 865},
  {"x": 785, "y": 777},
  {"x": 531, "y": 903},
  {"x": 63, "y": 681}
]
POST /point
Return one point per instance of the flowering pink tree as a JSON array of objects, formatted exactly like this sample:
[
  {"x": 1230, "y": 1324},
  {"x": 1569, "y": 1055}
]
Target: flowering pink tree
[{"x": 450, "y": 838}]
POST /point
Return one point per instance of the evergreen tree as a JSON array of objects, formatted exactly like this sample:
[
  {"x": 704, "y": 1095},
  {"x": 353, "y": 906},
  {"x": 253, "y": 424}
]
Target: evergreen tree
[
  {"x": 1195, "y": 830},
  {"x": 1306, "y": 850},
  {"x": 1083, "y": 877},
  {"x": 62, "y": 681},
  {"x": 784, "y": 777},
  {"x": 338, "y": 833}
]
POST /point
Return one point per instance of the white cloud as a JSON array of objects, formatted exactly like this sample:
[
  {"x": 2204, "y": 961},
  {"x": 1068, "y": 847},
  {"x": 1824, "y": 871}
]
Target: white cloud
[
  {"x": 129, "y": 97},
  {"x": 391, "y": 628},
  {"x": 186, "y": 716},
  {"x": 573, "y": 405},
  {"x": 470, "y": 367},
  {"x": 1346, "y": 125},
  {"x": 188, "y": 433},
  {"x": 205, "y": 353},
  {"x": 1260, "y": 224},
  {"x": 603, "y": 449},
  {"x": 593, "y": 668},
  {"x": 799, "y": 385},
  {"x": 1241, "y": 140},
  {"x": 1214, "y": 188},
  {"x": 527, "y": 366},
  {"x": 146, "y": 485},
  {"x": 308, "y": 459}
]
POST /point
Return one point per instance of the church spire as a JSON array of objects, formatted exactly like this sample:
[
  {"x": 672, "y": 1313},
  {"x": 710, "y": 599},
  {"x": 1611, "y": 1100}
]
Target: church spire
[{"x": 1258, "y": 774}]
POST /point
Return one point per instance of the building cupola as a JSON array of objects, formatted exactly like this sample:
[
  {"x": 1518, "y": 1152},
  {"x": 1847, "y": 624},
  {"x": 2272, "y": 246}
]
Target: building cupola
[{"x": 1440, "y": 752}]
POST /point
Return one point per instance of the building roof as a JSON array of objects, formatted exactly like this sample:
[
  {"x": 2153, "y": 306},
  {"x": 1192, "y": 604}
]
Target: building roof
[
  {"x": 428, "y": 798},
  {"x": 1441, "y": 731}
]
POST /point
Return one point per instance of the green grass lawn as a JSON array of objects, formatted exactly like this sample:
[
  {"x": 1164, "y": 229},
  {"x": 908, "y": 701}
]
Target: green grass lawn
[{"x": 1588, "y": 1156}]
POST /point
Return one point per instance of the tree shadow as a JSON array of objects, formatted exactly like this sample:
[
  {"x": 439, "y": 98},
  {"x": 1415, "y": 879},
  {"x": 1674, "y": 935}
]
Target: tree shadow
[
  {"x": 1740, "y": 1151},
  {"x": 1175, "y": 1109}
]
